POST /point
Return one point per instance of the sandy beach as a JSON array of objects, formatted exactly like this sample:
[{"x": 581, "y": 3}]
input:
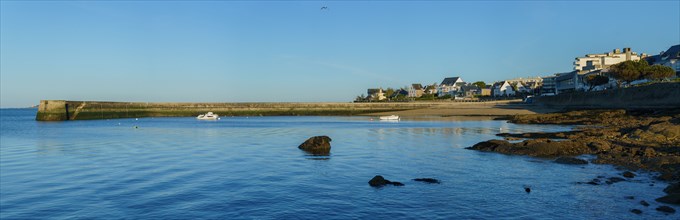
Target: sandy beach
[{"x": 472, "y": 110}]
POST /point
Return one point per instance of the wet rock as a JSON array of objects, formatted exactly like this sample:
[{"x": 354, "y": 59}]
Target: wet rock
[
  {"x": 629, "y": 197},
  {"x": 397, "y": 183},
  {"x": 379, "y": 181},
  {"x": 490, "y": 145},
  {"x": 670, "y": 199},
  {"x": 593, "y": 183},
  {"x": 628, "y": 174},
  {"x": 317, "y": 145},
  {"x": 599, "y": 146},
  {"x": 658, "y": 132},
  {"x": 537, "y": 147},
  {"x": 614, "y": 180},
  {"x": 666, "y": 209},
  {"x": 644, "y": 203},
  {"x": 527, "y": 189},
  {"x": 570, "y": 160},
  {"x": 672, "y": 188},
  {"x": 636, "y": 211},
  {"x": 427, "y": 180}
]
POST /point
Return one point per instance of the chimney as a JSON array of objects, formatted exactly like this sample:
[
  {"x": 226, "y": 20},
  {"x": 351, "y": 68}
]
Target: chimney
[{"x": 627, "y": 51}]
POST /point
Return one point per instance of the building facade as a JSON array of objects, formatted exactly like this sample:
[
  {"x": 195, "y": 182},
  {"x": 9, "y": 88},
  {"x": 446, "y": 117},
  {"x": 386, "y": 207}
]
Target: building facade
[
  {"x": 450, "y": 86},
  {"x": 604, "y": 60},
  {"x": 415, "y": 91},
  {"x": 376, "y": 94}
]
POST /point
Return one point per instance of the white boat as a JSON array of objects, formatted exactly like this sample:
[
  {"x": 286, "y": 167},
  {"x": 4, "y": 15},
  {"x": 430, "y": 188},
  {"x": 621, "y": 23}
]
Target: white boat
[
  {"x": 390, "y": 118},
  {"x": 208, "y": 116}
]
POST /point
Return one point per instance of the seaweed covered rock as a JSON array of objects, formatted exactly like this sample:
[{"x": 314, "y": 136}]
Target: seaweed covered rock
[
  {"x": 536, "y": 147},
  {"x": 379, "y": 181},
  {"x": 427, "y": 180},
  {"x": 317, "y": 145},
  {"x": 570, "y": 160}
]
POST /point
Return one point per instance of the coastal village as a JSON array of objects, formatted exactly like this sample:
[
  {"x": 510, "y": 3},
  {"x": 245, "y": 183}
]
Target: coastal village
[{"x": 590, "y": 73}]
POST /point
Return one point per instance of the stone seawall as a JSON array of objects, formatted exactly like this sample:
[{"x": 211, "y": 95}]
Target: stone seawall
[
  {"x": 61, "y": 110},
  {"x": 659, "y": 95}
]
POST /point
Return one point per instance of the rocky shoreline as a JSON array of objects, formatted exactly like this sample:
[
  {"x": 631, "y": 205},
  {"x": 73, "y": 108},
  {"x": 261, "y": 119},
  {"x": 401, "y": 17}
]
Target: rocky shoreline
[{"x": 633, "y": 139}]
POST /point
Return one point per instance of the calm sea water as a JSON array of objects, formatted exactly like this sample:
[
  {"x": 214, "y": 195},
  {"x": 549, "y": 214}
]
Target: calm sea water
[{"x": 250, "y": 168}]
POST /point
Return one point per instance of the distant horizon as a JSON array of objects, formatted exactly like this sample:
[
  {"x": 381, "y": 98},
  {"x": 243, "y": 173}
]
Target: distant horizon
[{"x": 217, "y": 51}]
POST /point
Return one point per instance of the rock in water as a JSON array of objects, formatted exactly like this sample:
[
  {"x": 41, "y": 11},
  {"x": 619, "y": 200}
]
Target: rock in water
[
  {"x": 644, "y": 203},
  {"x": 397, "y": 184},
  {"x": 670, "y": 198},
  {"x": 427, "y": 180},
  {"x": 379, "y": 181},
  {"x": 628, "y": 174},
  {"x": 570, "y": 160},
  {"x": 317, "y": 145},
  {"x": 636, "y": 211},
  {"x": 667, "y": 209},
  {"x": 672, "y": 188}
]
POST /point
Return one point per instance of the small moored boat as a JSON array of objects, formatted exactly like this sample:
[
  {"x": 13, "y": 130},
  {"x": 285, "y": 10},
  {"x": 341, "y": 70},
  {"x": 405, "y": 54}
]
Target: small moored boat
[
  {"x": 391, "y": 117},
  {"x": 208, "y": 116}
]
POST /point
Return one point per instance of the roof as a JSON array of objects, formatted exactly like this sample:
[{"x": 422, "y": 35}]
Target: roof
[
  {"x": 430, "y": 87},
  {"x": 373, "y": 91},
  {"x": 469, "y": 88},
  {"x": 671, "y": 53},
  {"x": 417, "y": 86},
  {"x": 450, "y": 81},
  {"x": 653, "y": 59}
]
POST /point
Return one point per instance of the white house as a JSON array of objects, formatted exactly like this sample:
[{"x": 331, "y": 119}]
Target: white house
[
  {"x": 669, "y": 58},
  {"x": 376, "y": 94},
  {"x": 450, "y": 86},
  {"x": 503, "y": 89},
  {"x": 521, "y": 88}
]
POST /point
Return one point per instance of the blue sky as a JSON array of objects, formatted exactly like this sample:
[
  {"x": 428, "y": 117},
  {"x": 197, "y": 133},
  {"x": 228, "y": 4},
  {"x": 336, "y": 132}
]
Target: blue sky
[{"x": 273, "y": 51}]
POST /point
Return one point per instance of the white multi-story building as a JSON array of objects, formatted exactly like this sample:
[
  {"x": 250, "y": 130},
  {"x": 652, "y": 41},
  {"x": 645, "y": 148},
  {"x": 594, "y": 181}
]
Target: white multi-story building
[{"x": 604, "y": 60}]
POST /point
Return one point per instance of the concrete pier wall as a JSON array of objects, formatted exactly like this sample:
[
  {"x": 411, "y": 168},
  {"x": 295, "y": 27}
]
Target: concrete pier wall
[
  {"x": 61, "y": 110},
  {"x": 659, "y": 95}
]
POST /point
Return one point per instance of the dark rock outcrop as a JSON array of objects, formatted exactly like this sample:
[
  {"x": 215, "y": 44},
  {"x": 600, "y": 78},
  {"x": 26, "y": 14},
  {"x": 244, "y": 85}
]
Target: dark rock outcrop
[
  {"x": 628, "y": 174},
  {"x": 570, "y": 160},
  {"x": 670, "y": 198},
  {"x": 672, "y": 188},
  {"x": 317, "y": 145},
  {"x": 537, "y": 147},
  {"x": 379, "y": 181},
  {"x": 613, "y": 180},
  {"x": 427, "y": 180},
  {"x": 636, "y": 211},
  {"x": 666, "y": 209},
  {"x": 673, "y": 196}
]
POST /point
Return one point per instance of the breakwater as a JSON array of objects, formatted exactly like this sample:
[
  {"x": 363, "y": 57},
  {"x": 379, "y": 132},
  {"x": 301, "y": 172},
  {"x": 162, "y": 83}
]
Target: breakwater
[
  {"x": 654, "y": 96},
  {"x": 62, "y": 110}
]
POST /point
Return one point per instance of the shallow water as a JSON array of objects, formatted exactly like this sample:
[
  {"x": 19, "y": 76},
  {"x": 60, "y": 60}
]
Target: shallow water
[{"x": 250, "y": 167}]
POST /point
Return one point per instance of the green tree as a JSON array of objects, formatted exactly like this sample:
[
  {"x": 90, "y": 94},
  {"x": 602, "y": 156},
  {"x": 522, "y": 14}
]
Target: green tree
[
  {"x": 389, "y": 92},
  {"x": 628, "y": 71},
  {"x": 596, "y": 80},
  {"x": 480, "y": 84},
  {"x": 657, "y": 72}
]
